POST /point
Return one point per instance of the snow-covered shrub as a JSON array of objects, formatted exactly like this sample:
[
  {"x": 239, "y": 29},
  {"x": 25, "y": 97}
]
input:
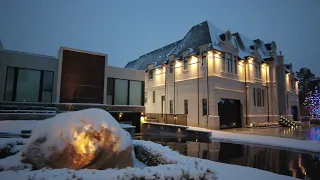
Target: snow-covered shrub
[
  {"x": 10, "y": 147},
  {"x": 153, "y": 154}
]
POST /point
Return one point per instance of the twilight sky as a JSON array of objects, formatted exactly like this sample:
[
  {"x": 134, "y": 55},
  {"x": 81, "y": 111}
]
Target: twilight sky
[{"x": 127, "y": 29}]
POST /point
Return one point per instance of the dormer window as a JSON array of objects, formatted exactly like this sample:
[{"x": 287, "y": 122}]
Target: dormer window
[
  {"x": 226, "y": 36},
  {"x": 254, "y": 47}
]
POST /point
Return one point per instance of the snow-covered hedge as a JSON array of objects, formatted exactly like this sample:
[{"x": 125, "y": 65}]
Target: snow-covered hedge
[
  {"x": 10, "y": 146},
  {"x": 23, "y": 107},
  {"x": 153, "y": 154}
]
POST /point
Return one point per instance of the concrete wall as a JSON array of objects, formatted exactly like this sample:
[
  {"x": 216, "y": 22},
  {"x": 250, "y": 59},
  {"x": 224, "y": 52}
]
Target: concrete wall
[
  {"x": 124, "y": 73},
  {"x": 25, "y": 60},
  {"x": 221, "y": 85}
]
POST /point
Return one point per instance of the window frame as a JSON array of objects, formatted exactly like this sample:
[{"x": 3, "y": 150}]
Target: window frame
[
  {"x": 254, "y": 97},
  {"x": 112, "y": 93},
  {"x": 185, "y": 63},
  {"x": 257, "y": 70},
  {"x": 171, "y": 106},
  {"x": 235, "y": 61},
  {"x": 223, "y": 63},
  {"x": 259, "y": 97},
  {"x": 150, "y": 74},
  {"x": 171, "y": 66},
  {"x": 15, "y": 83},
  {"x": 229, "y": 62},
  {"x": 186, "y": 106},
  {"x": 204, "y": 103},
  {"x": 204, "y": 58},
  {"x": 263, "y": 97}
]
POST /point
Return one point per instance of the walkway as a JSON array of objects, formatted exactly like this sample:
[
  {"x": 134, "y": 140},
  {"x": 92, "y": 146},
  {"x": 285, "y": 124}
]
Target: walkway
[{"x": 304, "y": 132}]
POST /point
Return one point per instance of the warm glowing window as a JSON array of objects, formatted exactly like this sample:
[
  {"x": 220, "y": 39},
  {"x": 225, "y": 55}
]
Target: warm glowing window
[
  {"x": 204, "y": 58},
  {"x": 185, "y": 63}
]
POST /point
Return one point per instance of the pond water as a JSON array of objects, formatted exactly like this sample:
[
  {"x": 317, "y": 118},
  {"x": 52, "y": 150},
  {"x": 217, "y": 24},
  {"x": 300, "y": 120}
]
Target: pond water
[{"x": 285, "y": 162}]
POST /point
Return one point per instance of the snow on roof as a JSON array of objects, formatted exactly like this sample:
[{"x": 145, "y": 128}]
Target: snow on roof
[
  {"x": 215, "y": 33},
  {"x": 203, "y": 33}
]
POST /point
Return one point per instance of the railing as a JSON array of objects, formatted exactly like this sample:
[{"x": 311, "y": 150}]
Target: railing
[{"x": 177, "y": 119}]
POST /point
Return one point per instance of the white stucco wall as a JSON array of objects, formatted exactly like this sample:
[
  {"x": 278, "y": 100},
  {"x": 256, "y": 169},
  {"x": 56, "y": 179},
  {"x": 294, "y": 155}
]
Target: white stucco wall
[{"x": 222, "y": 85}]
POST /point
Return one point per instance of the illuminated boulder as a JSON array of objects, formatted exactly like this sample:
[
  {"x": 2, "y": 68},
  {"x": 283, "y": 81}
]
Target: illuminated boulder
[{"x": 90, "y": 138}]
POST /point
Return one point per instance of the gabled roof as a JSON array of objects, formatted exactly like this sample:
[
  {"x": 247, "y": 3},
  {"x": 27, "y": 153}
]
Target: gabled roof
[{"x": 203, "y": 33}]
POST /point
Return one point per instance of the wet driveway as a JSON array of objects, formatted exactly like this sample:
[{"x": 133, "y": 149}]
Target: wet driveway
[{"x": 304, "y": 132}]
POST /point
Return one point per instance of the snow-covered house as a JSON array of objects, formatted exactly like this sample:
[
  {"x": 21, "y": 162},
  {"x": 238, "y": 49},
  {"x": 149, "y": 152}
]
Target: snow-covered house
[{"x": 219, "y": 79}]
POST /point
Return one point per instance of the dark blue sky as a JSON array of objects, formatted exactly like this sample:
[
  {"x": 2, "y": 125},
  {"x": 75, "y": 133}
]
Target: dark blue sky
[{"x": 127, "y": 29}]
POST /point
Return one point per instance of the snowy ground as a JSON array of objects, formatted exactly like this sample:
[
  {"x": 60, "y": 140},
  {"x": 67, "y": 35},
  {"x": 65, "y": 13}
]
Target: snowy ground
[
  {"x": 304, "y": 145},
  {"x": 223, "y": 171},
  {"x": 15, "y": 127}
]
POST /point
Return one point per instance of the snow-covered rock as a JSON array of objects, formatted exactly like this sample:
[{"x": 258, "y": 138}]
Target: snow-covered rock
[{"x": 90, "y": 138}]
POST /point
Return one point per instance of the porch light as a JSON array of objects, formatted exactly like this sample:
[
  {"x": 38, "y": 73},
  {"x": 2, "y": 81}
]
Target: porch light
[{"x": 174, "y": 117}]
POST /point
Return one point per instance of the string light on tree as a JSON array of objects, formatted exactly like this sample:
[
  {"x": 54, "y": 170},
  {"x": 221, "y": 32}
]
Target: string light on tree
[{"x": 312, "y": 103}]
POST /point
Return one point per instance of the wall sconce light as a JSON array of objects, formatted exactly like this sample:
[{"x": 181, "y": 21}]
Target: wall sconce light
[
  {"x": 120, "y": 115},
  {"x": 174, "y": 117}
]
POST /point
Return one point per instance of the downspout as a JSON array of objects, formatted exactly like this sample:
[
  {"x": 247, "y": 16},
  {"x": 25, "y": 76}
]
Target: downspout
[
  {"x": 267, "y": 93},
  {"x": 246, "y": 91},
  {"x": 198, "y": 92},
  {"x": 174, "y": 89},
  {"x": 165, "y": 94},
  {"x": 207, "y": 91}
]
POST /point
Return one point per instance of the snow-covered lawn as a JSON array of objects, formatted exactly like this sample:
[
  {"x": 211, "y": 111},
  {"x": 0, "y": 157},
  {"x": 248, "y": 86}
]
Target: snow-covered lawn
[
  {"x": 175, "y": 166},
  {"x": 304, "y": 145},
  {"x": 15, "y": 126}
]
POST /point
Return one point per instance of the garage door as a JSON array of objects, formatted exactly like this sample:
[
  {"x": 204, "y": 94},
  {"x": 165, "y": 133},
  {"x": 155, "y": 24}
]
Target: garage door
[{"x": 229, "y": 112}]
